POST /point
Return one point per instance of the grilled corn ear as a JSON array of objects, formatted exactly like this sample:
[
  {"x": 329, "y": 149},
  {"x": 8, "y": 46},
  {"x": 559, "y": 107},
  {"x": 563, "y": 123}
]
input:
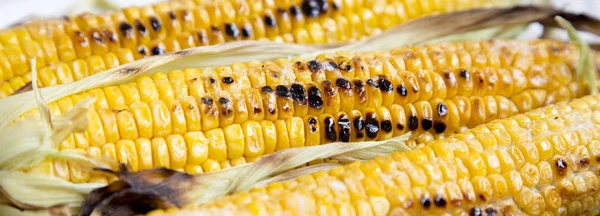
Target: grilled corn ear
[
  {"x": 75, "y": 47},
  {"x": 543, "y": 162},
  {"x": 199, "y": 121}
]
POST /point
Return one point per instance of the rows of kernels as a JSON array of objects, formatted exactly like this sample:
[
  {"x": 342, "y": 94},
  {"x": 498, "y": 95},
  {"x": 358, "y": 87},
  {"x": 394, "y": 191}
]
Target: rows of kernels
[
  {"x": 163, "y": 23},
  {"x": 563, "y": 182}
]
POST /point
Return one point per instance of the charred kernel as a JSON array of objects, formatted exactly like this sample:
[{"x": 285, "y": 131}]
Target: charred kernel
[
  {"x": 141, "y": 50},
  {"x": 372, "y": 83},
  {"x": 97, "y": 37},
  {"x": 475, "y": 212},
  {"x": 328, "y": 88},
  {"x": 491, "y": 211},
  {"x": 312, "y": 124},
  {"x": 270, "y": 21},
  {"x": 311, "y": 8},
  {"x": 298, "y": 94},
  {"x": 371, "y": 125},
  {"x": 281, "y": 11},
  {"x": 155, "y": 23},
  {"x": 294, "y": 10},
  {"x": 125, "y": 28},
  {"x": 426, "y": 124},
  {"x": 227, "y": 80},
  {"x": 385, "y": 85},
  {"x": 401, "y": 89},
  {"x": 215, "y": 28},
  {"x": 465, "y": 74},
  {"x": 439, "y": 127},
  {"x": 561, "y": 167},
  {"x": 442, "y": 109},
  {"x": 439, "y": 201},
  {"x": 344, "y": 124},
  {"x": 112, "y": 37},
  {"x": 172, "y": 15},
  {"x": 330, "y": 133},
  {"x": 266, "y": 89},
  {"x": 282, "y": 91},
  {"x": 335, "y": 6},
  {"x": 584, "y": 162},
  {"x": 256, "y": 110},
  {"x": 413, "y": 123},
  {"x": 386, "y": 125},
  {"x": 223, "y": 100},
  {"x": 329, "y": 65},
  {"x": 359, "y": 125},
  {"x": 207, "y": 101},
  {"x": 400, "y": 126},
  {"x": 346, "y": 66},
  {"x": 315, "y": 99},
  {"x": 202, "y": 37},
  {"x": 426, "y": 202},
  {"x": 323, "y": 5},
  {"x": 232, "y": 30},
  {"x": 314, "y": 66},
  {"x": 213, "y": 81},
  {"x": 157, "y": 50},
  {"x": 343, "y": 84},
  {"x": 140, "y": 27},
  {"x": 246, "y": 31},
  {"x": 359, "y": 83}
]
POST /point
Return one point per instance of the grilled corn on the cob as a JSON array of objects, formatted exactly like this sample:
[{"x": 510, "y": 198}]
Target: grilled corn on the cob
[
  {"x": 543, "y": 162},
  {"x": 203, "y": 121},
  {"x": 73, "y": 48}
]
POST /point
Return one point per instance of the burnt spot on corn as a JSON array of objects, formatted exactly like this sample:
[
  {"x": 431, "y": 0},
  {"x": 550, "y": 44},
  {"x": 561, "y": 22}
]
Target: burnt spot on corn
[
  {"x": 386, "y": 125},
  {"x": 266, "y": 89},
  {"x": 139, "y": 26},
  {"x": 312, "y": 124},
  {"x": 223, "y": 100},
  {"x": 207, "y": 101},
  {"x": 330, "y": 132},
  {"x": 475, "y": 212},
  {"x": 112, "y": 37},
  {"x": 385, "y": 85},
  {"x": 491, "y": 211},
  {"x": 426, "y": 202},
  {"x": 464, "y": 74},
  {"x": 201, "y": 35},
  {"x": 329, "y": 88},
  {"x": 270, "y": 21},
  {"x": 336, "y": 6},
  {"x": 295, "y": 10},
  {"x": 97, "y": 37},
  {"x": 371, "y": 125},
  {"x": 215, "y": 29},
  {"x": 344, "y": 125},
  {"x": 329, "y": 65},
  {"x": 315, "y": 98},
  {"x": 561, "y": 167},
  {"x": 359, "y": 126},
  {"x": 343, "y": 84},
  {"x": 314, "y": 66},
  {"x": 256, "y": 109},
  {"x": 359, "y": 89},
  {"x": 442, "y": 109},
  {"x": 426, "y": 124},
  {"x": 155, "y": 23},
  {"x": 172, "y": 15},
  {"x": 126, "y": 29},
  {"x": 227, "y": 80},
  {"x": 311, "y": 8},
  {"x": 246, "y": 31},
  {"x": 482, "y": 198},
  {"x": 345, "y": 65},
  {"x": 371, "y": 82},
  {"x": 226, "y": 107},
  {"x": 212, "y": 80},
  {"x": 401, "y": 89},
  {"x": 298, "y": 94},
  {"x": 584, "y": 162},
  {"x": 282, "y": 91},
  {"x": 80, "y": 38},
  {"x": 400, "y": 126},
  {"x": 413, "y": 123},
  {"x": 439, "y": 201},
  {"x": 439, "y": 127},
  {"x": 158, "y": 50},
  {"x": 232, "y": 30}
]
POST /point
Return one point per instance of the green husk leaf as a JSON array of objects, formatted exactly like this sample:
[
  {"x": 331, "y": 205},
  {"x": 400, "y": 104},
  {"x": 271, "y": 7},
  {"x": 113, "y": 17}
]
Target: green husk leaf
[
  {"x": 414, "y": 32},
  {"x": 585, "y": 66}
]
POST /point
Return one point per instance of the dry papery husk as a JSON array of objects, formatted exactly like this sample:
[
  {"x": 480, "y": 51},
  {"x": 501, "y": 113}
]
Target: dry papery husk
[{"x": 26, "y": 143}]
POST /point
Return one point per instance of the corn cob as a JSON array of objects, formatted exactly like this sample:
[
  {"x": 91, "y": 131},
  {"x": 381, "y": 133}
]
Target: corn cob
[
  {"x": 179, "y": 120},
  {"x": 83, "y": 45},
  {"x": 543, "y": 162}
]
